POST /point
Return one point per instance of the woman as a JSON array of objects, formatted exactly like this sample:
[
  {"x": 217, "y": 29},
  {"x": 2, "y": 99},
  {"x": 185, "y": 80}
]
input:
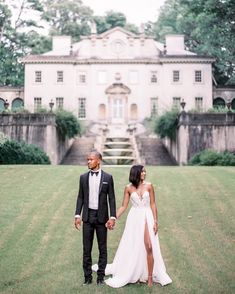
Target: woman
[{"x": 138, "y": 257}]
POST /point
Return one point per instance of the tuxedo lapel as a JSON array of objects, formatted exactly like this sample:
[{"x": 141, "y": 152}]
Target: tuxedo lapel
[
  {"x": 101, "y": 181},
  {"x": 86, "y": 183}
]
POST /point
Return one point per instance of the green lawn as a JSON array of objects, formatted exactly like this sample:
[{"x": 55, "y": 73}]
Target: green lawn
[{"x": 41, "y": 252}]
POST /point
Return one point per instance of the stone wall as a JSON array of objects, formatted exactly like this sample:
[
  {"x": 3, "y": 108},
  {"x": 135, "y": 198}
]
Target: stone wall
[
  {"x": 197, "y": 132},
  {"x": 37, "y": 129}
]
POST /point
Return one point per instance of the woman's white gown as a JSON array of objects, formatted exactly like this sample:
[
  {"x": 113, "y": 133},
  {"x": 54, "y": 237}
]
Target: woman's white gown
[{"x": 130, "y": 262}]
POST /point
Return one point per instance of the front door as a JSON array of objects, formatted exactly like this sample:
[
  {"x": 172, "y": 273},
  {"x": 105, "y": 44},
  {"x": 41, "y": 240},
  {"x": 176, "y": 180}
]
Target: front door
[{"x": 118, "y": 110}]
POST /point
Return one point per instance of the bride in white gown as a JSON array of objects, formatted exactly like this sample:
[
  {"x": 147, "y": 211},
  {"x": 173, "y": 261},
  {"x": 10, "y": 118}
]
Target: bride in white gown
[{"x": 138, "y": 257}]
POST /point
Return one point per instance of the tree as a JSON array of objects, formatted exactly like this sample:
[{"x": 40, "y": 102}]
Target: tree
[
  {"x": 16, "y": 38},
  {"x": 209, "y": 29},
  {"x": 11, "y": 72},
  {"x": 67, "y": 17},
  {"x": 111, "y": 20},
  {"x": 115, "y": 19}
]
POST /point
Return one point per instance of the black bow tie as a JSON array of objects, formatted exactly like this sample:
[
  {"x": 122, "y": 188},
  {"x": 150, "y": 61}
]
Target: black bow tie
[{"x": 94, "y": 173}]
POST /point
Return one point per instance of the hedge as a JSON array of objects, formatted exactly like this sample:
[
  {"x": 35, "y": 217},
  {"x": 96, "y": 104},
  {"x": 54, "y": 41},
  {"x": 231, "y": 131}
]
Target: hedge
[
  {"x": 210, "y": 158},
  {"x": 13, "y": 152}
]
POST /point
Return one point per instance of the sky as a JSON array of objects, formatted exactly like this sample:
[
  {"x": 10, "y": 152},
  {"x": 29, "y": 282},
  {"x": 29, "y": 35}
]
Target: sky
[{"x": 136, "y": 11}]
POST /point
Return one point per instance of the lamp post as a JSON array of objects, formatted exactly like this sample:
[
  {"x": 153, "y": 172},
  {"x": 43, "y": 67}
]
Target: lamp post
[
  {"x": 51, "y": 104},
  {"x": 229, "y": 104},
  {"x": 182, "y": 104},
  {"x": 6, "y": 104}
]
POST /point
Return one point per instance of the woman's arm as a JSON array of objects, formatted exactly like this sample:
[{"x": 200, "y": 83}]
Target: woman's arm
[
  {"x": 154, "y": 208},
  {"x": 125, "y": 202}
]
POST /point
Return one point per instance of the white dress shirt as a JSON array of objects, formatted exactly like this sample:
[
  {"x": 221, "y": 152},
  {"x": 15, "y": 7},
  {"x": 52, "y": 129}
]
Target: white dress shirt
[{"x": 94, "y": 185}]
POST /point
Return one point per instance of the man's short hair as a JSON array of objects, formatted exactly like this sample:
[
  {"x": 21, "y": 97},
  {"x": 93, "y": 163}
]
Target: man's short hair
[{"x": 96, "y": 153}]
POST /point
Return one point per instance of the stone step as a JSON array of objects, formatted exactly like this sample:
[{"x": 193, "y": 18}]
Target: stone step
[
  {"x": 118, "y": 151},
  {"x": 78, "y": 151},
  {"x": 153, "y": 151}
]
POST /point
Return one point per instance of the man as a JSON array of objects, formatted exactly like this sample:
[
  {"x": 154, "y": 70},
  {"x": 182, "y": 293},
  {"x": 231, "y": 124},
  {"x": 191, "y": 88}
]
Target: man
[{"x": 96, "y": 194}]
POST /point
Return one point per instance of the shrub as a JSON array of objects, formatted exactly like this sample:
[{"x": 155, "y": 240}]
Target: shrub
[
  {"x": 42, "y": 110},
  {"x": 67, "y": 124},
  {"x": 219, "y": 109},
  {"x": 211, "y": 158},
  {"x": 227, "y": 159},
  {"x": 13, "y": 152},
  {"x": 20, "y": 110},
  {"x": 3, "y": 138},
  {"x": 166, "y": 124}
]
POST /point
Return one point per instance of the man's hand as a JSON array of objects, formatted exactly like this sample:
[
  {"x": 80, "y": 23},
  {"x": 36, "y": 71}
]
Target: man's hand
[
  {"x": 77, "y": 223},
  {"x": 110, "y": 224}
]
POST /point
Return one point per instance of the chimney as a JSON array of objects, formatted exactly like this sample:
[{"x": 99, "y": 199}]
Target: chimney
[
  {"x": 174, "y": 44},
  {"x": 61, "y": 45}
]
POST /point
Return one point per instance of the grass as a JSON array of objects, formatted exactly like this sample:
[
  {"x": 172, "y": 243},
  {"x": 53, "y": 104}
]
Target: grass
[{"x": 40, "y": 251}]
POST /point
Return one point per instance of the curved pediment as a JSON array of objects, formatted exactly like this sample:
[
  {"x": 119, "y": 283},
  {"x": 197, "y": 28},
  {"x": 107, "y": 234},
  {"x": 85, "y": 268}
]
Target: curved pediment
[{"x": 118, "y": 88}]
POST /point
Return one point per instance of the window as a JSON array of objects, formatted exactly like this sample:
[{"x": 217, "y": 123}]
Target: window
[
  {"x": 38, "y": 76},
  {"x": 198, "y": 76},
  {"x": 82, "y": 78},
  {"x": 60, "y": 76},
  {"x": 154, "y": 106},
  {"x": 81, "y": 107},
  {"x": 102, "y": 77},
  {"x": 37, "y": 103},
  {"x": 176, "y": 76},
  {"x": 176, "y": 102},
  {"x": 134, "y": 77},
  {"x": 59, "y": 102},
  {"x": 199, "y": 103},
  {"x": 153, "y": 78}
]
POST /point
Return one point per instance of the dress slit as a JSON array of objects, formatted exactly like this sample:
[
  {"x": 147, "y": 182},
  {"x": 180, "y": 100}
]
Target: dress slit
[
  {"x": 146, "y": 231},
  {"x": 130, "y": 262}
]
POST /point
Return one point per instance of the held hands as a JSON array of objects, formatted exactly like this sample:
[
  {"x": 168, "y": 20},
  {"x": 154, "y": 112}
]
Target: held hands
[
  {"x": 110, "y": 224},
  {"x": 77, "y": 223}
]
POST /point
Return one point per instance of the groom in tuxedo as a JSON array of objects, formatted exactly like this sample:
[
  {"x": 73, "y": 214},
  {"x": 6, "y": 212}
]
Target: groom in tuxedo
[{"x": 96, "y": 201}]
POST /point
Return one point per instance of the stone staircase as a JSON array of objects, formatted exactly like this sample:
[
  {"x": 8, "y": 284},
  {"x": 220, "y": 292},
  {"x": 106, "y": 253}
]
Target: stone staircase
[
  {"x": 153, "y": 152},
  {"x": 78, "y": 151},
  {"x": 118, "y": 151}
]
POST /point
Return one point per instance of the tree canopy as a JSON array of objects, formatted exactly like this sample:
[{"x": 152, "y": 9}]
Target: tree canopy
[
  {"x": 208, "y": 26},
  {"x": 209, "y": 29}
]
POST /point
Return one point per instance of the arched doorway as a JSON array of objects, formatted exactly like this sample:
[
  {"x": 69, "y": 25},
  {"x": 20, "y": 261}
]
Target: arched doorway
[
  {"x": 233, "y": 104},
  {"x": 17, "y": 103},
  {"x": 134, "y": 111},
  {"x": 102, "y": 111},
  {"x": 2, "y": 105},
  {"x": 218, "y": 102},
  {"x": 117, "y": 103}
]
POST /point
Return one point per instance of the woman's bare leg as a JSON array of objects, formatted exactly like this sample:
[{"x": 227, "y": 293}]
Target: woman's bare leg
[{"x": 149, "y": 251}]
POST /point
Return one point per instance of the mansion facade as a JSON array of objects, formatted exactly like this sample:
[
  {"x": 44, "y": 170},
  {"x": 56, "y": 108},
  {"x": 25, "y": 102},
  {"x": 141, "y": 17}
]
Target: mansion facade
[{"x": 118, "y": 77}]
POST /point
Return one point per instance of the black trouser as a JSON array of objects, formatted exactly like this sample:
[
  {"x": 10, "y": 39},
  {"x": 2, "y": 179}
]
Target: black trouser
[{"x": 88, "y": 236}]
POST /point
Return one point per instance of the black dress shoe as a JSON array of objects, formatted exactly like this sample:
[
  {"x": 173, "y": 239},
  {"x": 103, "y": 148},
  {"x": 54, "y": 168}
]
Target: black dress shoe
[
  {"x": 100, "y": 282},
  {"x": 87, "y": 282}
]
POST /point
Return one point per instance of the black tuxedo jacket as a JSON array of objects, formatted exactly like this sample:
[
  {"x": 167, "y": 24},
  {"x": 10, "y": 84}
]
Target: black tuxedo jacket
[{"x": 106, "y": 197}]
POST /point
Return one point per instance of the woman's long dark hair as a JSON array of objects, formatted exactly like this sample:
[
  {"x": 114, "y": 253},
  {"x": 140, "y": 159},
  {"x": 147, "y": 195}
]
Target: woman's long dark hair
[{"x": 135, "y": 174}]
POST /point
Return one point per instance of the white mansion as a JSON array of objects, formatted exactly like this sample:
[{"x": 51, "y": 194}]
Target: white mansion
[{"x": 118, "y": 77}]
